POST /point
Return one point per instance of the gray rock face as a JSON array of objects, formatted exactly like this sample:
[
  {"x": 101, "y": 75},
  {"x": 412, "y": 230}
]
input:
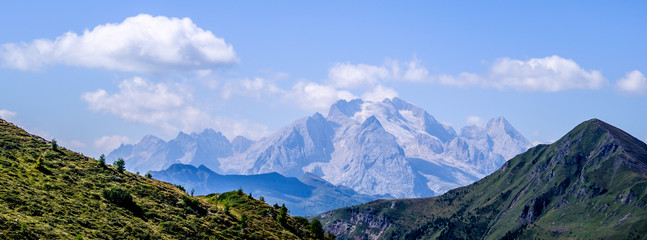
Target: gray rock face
[
  {"x": 241, "y": 144},
  {"x": 507, "y": 140},
  {"x": 389, "y": 148},
  {"x": 306, "y": 141},
  {"x": 154, "y": 154},
  {"x": 370, "y": 161}
]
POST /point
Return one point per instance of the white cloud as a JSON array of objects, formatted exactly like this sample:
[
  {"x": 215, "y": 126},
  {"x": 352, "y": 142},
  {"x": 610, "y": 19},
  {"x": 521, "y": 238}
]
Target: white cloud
[
  {"x": 634, "y": 83},
  {"x": 254, "y": 88},
  {"x": 416, "y": 72},
  {"x": 346, "y": 75},
  {"x": 379, "y": 93},
  {"x": 138, "y": 44},
  {"x": 350, "y": 76},
  {"x": 109, "y": 143},
  {"x": 313, "y": 96},
  {"x": 474, "y": 120},
  {"x": 166, "y": 105},
  {"x": 6, "y": 114},
  {"x": 552, "y": 73},
  {"x": 547, "y": 74}
]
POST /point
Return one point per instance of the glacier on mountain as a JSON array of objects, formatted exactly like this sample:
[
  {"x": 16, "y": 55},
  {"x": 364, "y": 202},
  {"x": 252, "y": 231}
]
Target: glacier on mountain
[{"x": 389, "y": 148}]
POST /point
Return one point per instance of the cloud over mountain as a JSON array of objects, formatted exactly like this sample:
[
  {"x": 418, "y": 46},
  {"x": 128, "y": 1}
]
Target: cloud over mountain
[
  {"x": 548, "y": 74},
  {"x": 634, "y": 83}
]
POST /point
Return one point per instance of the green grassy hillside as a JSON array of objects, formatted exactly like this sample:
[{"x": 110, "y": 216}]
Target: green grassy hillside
[
  {"x": 49, "y": 192},
  {"x": 590, "y": 184}
]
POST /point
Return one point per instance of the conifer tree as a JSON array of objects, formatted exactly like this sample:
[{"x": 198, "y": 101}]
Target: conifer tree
[
  {"x": 120, "y": 164},
  {"x": 283, "y": 215},
  {"x": 102, "y": 160}
]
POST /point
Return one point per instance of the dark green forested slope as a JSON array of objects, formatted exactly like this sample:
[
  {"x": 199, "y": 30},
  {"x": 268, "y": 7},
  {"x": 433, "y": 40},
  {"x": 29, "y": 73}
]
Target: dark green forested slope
[
  {"x": 590, "y": 184},
  {"x": 49, "y": 192}
]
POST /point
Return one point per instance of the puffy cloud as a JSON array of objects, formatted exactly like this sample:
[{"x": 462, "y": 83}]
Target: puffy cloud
[
  {"x": 379, "y": 93},
  {"x": 552, "y": 73},
  {"x": 165, "y": 105},
  {"x": 169, "y": 106},
  {"x": 474, "y": 120},
  {"x": 634, "y": 83},
  {"x": 108, "y": 143},
  {"x": 416, "y": 72},
  {"x": 346, "y": 75},
  {"x": 548, "y": 74},
  {"x": 138, "y": 44},
  {"x": 6, "y": 114},
  {"x": 313, "y": 96}
]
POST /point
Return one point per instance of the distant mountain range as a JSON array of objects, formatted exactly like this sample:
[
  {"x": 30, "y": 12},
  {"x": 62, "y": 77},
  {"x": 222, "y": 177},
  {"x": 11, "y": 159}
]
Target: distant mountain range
[
  {"x": 389, "y": 148},
  {"x": 590, "y": 184}
]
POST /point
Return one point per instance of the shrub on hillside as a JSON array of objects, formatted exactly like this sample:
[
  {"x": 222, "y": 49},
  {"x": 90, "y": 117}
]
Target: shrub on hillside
[
  {"x": 122, "y": 198},
  {"x": 193, "y": 204},
  {"x": 118, "y": 196}
]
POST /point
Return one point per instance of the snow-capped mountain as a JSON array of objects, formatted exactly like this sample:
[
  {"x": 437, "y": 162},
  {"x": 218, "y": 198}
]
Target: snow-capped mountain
[{"x": 390, "y": 147}]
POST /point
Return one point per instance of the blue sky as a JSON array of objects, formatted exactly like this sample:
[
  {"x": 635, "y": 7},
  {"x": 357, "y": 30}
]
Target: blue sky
[{"x": 94, "y": 75}]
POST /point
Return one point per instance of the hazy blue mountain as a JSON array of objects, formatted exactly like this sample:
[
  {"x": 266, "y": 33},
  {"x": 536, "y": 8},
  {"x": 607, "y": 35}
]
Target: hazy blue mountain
[
  {"x": 152, "y": 153},
  {"x": 305, "y": 196},
  {"x": 241, "y": 144}
]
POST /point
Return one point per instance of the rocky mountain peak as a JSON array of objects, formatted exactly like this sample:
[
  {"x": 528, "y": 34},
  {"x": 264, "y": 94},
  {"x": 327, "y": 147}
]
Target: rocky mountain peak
[
  {"x": 343, "y": 109},
  {"x": 371, "y": 123},
  {"x": 150, "y": 139}
]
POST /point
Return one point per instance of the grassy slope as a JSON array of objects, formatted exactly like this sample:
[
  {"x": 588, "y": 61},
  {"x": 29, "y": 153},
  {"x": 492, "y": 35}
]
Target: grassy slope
[
  {"x": 590, "y": 184},
  {"x": 63, "y": 200}
]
